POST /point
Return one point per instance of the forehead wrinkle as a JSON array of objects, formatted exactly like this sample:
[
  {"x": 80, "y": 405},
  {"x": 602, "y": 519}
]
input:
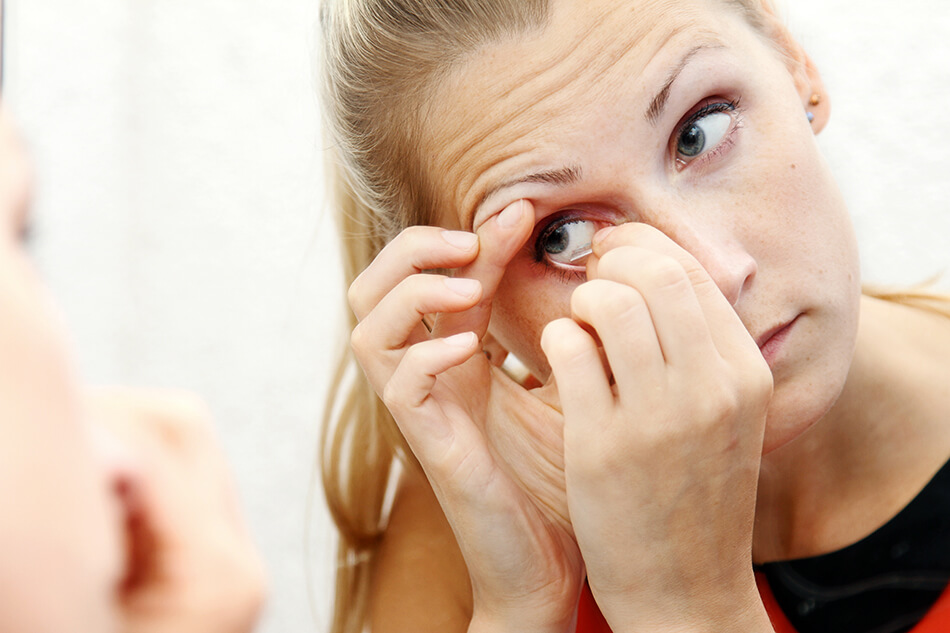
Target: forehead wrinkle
[
  {"x": 469, "y": 144},
  {"x": 491, "y": 133},
  {"x": 526, "y": 82},
  {"x": 599, "y": 62}
]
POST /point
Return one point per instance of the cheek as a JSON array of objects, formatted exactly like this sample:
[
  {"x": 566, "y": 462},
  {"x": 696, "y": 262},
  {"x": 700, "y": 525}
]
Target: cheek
[
  {"x": 526, "y": 300},
  {"x": 800, "y": 227}
]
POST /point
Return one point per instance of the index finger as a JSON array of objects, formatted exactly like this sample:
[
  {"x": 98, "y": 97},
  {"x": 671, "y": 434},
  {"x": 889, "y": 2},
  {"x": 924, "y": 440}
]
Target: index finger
[
  {"x": 499, "y": 240},
  {"x": 724, "y": 323},
  {"x": 414, "y": 250}
]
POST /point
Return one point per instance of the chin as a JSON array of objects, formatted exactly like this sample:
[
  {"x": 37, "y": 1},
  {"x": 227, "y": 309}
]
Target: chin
[{"x": 795, "y": 408}]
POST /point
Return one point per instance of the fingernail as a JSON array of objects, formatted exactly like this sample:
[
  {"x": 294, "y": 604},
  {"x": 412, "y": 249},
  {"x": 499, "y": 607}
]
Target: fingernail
[
  {"x": 602, "y": 234},
  {"x": 462, "y": 286},
  {"x": 465, "y": 339},
  {"x": 460, "y": 239},
  {"x": 510, "y": 216}
]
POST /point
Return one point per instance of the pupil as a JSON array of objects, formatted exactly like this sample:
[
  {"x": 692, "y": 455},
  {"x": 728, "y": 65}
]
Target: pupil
[
  {"x": 557, "y": 240},
  {"x": 692, "y": 141}
]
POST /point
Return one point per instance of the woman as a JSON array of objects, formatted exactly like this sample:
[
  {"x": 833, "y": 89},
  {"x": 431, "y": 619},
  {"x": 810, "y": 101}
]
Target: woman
[
  {"x": 629, "y": 198},
  {"x": 133, "y": 529}
]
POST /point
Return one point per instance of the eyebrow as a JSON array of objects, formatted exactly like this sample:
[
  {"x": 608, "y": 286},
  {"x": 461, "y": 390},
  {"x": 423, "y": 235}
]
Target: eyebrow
[
  {"x": 655, "y": 111},
  {"x": 561, "y": 177}
]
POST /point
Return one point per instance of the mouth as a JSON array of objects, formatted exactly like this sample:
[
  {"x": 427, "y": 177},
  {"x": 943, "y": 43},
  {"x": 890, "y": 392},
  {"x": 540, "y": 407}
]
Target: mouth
[{"x": 769, "y": 340}]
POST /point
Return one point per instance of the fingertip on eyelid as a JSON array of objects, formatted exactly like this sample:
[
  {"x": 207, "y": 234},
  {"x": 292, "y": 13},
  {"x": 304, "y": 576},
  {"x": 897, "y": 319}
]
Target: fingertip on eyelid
[{"x": 511, "y": 215}]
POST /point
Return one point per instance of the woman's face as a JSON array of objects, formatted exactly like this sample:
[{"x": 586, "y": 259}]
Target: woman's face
[
  {"x": 60, "y": 554},
  {"x": 674, "y": 114}
]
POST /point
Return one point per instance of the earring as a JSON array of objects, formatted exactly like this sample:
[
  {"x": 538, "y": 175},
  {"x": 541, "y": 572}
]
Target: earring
[{"x": 814, "y": 100}]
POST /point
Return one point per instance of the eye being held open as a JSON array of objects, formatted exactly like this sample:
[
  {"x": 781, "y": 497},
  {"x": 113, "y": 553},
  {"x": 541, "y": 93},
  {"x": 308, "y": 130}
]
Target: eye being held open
[
  {"x": 566, "y": 242},
  {"x": 707, "y": 130}
]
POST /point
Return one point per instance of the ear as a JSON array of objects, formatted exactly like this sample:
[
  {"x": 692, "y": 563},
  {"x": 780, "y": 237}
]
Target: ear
[{"x": 811, "y": 89}]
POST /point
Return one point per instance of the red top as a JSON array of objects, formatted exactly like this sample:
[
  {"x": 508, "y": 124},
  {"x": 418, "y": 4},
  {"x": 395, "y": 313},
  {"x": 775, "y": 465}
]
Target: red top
[{"x": 937, "y": 620}]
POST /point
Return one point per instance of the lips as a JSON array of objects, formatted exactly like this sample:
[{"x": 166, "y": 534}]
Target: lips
[{"x": 768, "y": 335}]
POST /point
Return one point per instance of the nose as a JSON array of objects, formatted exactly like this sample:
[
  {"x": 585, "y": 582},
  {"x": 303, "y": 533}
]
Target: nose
[
  {"x": 726, "y": 260},
  {"x": 731, "y": 268}
]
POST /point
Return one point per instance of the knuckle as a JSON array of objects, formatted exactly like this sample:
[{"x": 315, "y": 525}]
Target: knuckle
[
  {"x": 412, "y": 358},
  {"x": 569, "y": 349},
  {"x": 354, "y": 295},
  {"x": 414, "y": 236},
  {"x": 666, "y": 272},
  {"x": 418, "y": 285},
  {"x": 358, "y": 338},
  {"x": 720, "y": 405},
  {"x": 391, "y": 395},
  {"x": 616, "y": 263},
  {"x": 415, "y": 243},
  {"x": 622, "y": 305},
  {"x": 587, "y": 297}
]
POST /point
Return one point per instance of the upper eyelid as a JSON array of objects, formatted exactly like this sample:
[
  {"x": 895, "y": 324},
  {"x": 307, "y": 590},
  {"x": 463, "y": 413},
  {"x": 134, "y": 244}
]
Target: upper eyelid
[{"x": 709, "y": 106}]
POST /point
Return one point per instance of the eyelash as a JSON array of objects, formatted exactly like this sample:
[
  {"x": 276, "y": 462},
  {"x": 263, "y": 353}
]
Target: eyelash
[{"x": 731, "y": 106}]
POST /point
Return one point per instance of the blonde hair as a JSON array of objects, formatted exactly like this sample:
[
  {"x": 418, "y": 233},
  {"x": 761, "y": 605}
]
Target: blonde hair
[{"x": 380, "y": 61}]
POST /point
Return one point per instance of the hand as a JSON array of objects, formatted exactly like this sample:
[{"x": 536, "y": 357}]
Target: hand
[
  {"x": 490, "y": 449},
  {"x": 191, "y": 566},
  {"x": 662, "y": 464}
]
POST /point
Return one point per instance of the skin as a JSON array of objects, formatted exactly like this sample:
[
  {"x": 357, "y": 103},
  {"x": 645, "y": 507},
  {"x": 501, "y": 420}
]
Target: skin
[
  {"x": 649, "y": 353},
  {"x": 119, "y": 510}
]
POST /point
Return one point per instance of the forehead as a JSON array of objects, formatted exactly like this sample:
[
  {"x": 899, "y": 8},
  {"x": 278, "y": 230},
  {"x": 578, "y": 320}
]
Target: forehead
[{"x": 511, "y": 103}]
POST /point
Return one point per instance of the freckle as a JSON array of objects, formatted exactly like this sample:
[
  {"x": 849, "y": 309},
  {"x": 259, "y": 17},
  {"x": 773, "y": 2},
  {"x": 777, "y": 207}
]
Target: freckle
[{"x": 793, "y": 165}]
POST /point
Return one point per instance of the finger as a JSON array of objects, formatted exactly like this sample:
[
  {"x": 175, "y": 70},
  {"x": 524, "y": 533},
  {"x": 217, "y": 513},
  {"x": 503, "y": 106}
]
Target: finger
[
  {"x": 416, "y": 249},
  {"x": 450, "y": 447},
  {"x": 499, "y": 238},
  {"x": 620, "y": 317},
  {"x": 728, "y": 332},
  {"x": 582, "y": 384},
  {"x": 414, "y": 378},
  {"x": 677, "y": 316},
  {"x": 397, "y": 320}
]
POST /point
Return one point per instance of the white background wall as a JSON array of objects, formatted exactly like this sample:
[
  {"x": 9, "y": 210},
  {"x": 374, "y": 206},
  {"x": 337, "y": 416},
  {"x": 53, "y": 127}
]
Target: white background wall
[{"x": 181, "y": 223}]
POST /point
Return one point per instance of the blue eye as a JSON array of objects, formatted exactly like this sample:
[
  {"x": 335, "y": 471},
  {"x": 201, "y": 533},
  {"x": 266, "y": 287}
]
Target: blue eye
[
  {"x": 704, "y": 131},
  {"x": 566, "y": 242}
]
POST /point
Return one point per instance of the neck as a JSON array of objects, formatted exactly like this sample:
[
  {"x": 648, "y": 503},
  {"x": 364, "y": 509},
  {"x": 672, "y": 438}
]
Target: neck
[{"x": 873, "y": 451}]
